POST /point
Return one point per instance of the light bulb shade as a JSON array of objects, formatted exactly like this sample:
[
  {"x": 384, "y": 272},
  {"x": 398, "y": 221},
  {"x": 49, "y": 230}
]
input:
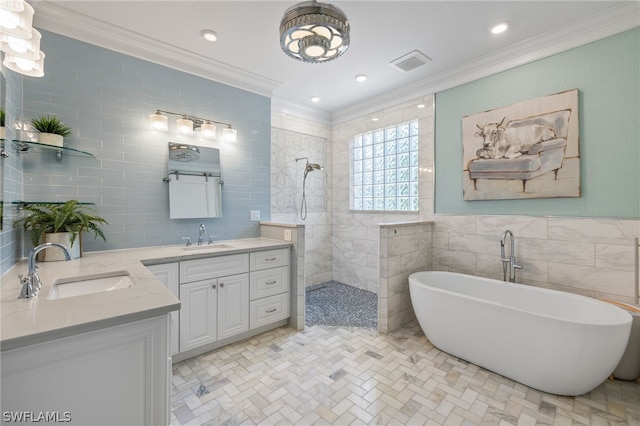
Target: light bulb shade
[
  {"x": 314, "y": 32},
  {"x": 208, "y": 130},
  {"x": 26, "y": 48},
  {"x": 185, "y": 126},
  {"x": 25, "y": 66},
  {"x": 17, "y": 24},
  {"x": 12, "y": 5},
  {"x": 158, "y": 122},
  {"x": 229, "y": 134}
]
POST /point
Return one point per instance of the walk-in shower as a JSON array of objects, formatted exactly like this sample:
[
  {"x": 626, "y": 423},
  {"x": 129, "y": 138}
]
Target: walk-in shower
[{"x": 309, "y": 167}]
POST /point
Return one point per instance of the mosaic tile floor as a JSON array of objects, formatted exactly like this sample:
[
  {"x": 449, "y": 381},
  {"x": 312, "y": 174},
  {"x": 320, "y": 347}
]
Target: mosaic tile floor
[
  {"x": 353, "y": 376},
  {"x": 337, "y": 304}
]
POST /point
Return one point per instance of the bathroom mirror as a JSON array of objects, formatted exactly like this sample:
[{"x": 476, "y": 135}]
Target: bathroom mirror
[{"x": 195, "y": 184}]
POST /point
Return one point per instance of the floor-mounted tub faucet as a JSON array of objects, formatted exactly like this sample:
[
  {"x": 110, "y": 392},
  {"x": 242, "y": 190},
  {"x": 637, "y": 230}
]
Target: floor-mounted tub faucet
[
  {"x": 31, "y": 283},
  {"x": 509, "y": 263}
]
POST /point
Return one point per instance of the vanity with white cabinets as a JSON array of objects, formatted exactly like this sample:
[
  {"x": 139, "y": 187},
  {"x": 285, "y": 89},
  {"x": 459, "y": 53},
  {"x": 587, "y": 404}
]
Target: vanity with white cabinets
[
  {"x": 226, "y": 298},
  {"x": 105, "y": 358}
]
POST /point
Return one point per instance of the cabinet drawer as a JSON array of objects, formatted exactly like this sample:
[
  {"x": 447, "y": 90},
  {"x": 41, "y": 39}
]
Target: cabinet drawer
[
  {"x": 268, "y": 282},
  {"x": 269, "y": 259},
  {"x": 269, "y": 309},
  {"x": 212, "y": 267}
]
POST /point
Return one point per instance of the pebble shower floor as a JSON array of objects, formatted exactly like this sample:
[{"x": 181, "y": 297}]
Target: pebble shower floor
[{"x": 336, "y": 304}]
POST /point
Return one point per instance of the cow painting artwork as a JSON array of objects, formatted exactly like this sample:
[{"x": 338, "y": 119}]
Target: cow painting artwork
[{"x": 526, "y": 150}]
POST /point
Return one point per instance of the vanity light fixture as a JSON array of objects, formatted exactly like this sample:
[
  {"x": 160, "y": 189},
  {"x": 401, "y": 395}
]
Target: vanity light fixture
[
  {"x": 187, "y": 124},
  {"x": 314, "y": 32},
  {"x": 19, "y": 40}
]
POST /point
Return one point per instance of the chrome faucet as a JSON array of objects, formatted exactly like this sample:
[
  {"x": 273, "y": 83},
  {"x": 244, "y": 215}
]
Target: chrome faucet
[
  {"x": 201, "y": 233},
  {"x": 509, "y": 263},
  {"x": 31, "y": 283}
]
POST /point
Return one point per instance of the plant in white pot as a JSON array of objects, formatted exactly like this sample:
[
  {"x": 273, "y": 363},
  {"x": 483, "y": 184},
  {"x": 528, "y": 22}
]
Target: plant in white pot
[
  {"x": 51, "y": 131},
  {"x": 60, "y": 223}
]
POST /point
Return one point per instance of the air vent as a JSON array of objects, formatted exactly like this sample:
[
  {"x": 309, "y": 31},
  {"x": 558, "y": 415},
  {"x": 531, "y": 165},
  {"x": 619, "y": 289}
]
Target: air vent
[{"x": 410, "y": 61}]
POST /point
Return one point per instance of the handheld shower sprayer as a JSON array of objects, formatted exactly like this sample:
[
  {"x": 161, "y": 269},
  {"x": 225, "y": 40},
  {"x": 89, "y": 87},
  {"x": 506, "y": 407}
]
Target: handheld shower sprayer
[{"x": 309, "y": 167}]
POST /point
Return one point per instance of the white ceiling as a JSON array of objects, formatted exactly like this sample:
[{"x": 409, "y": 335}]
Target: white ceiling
[{"x": 454, "y": 34}]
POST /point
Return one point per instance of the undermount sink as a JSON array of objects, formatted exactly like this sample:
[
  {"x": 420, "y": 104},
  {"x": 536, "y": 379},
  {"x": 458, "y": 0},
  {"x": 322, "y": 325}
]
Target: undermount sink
[
  {"x": 209, "y": 246},
  {"x": 89, "y": 284}
]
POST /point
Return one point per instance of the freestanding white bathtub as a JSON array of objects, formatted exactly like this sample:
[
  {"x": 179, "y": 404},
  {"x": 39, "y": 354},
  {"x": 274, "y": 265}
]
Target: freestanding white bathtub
[{"x": 553, "y": 341}]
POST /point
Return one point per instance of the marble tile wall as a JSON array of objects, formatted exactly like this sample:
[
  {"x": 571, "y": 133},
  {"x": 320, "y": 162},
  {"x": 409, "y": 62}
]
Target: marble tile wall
[
  {"x": 593, "y": 257},
  {"x": 356, "y": 234},
  {"x": 291, "y": 138},
  {"x": 404, "y": 248}
]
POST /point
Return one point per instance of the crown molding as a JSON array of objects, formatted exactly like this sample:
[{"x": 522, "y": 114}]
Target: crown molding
[
  {"x": 59, "y": 20},
  {"x": 283, "y": 106},
  {"x": 611, "y": 21}
]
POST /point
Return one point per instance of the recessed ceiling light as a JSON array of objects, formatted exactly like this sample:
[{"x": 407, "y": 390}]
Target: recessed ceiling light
[
  {"x": 361, "y": 77},
  {"x": 500, "y": 28},
  {"x": 315, "y": 99},
  {"x": 375, "y": 119},
  {"x": 209, "y": 35},
  {"x": 421, "y": 106}
]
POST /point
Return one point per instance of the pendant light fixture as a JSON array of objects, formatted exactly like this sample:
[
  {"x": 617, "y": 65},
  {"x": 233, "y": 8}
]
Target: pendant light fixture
[
  {"x": 19, "y": 40},
  {"x": 314, "y": 32}
]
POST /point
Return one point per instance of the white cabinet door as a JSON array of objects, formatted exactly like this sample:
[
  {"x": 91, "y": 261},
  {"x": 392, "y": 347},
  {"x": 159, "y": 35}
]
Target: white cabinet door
[
  {"x": 167, "y": 273},
  {"x": 113, "y": 376},
  {"x": 198, "y": 322},
  {"x": 233, "y": 305}
]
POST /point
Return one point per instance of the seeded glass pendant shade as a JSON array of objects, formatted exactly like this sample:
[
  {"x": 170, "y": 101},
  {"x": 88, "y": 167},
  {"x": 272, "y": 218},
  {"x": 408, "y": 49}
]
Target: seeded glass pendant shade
[
  {"x": 16, "y": 18},
  {"x": 25, "y": 66},
  {"x": 229, "y": 134},
  {"x": 208, "y": 130},
  {"x": 314, "y": 32},
  {"x": 185, "y": 126},
  {"x": 27, "y": 48},
  {"x": 158, "y": 121}
]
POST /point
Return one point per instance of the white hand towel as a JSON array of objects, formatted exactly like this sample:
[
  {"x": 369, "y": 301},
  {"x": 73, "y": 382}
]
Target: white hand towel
[{"x": 194, "y": 197}]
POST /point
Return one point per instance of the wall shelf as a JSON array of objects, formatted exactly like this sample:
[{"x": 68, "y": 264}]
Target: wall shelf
[
  {"x": 21, "y": 204},
  {"x": 28, "y": 146}
]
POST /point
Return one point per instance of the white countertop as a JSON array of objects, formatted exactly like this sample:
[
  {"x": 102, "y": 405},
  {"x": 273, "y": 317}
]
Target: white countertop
[{"x": 30, "y": 321}]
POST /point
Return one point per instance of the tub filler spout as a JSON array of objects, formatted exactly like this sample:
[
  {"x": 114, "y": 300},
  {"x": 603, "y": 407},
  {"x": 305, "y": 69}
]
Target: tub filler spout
[{"x": 510, "y": 263}]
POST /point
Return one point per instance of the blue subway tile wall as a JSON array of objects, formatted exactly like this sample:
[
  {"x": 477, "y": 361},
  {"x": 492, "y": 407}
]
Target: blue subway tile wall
[
  {"x": 106, "y": 97},
  {"x": 10, "y": 173}
]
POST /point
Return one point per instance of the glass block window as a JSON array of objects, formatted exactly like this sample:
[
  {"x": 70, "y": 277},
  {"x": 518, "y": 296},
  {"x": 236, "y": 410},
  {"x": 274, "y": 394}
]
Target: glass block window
[{"x": 384, "y": 165}]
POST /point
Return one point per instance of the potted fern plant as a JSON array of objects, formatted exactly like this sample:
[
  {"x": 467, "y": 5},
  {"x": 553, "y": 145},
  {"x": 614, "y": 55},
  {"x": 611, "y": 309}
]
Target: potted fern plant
[
  {"x": 60, "y": 223},
  {"x": 51, "y": 131}
]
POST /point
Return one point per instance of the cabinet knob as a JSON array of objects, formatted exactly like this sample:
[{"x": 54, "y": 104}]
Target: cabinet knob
[
  {"x": 221, "y": 285},
  {"x": 213, "y": 286}
]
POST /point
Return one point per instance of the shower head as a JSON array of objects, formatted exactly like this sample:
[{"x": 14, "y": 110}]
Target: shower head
[
  {"x": 313, "y": 166},
  {"x": 310, "y": 166}
]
